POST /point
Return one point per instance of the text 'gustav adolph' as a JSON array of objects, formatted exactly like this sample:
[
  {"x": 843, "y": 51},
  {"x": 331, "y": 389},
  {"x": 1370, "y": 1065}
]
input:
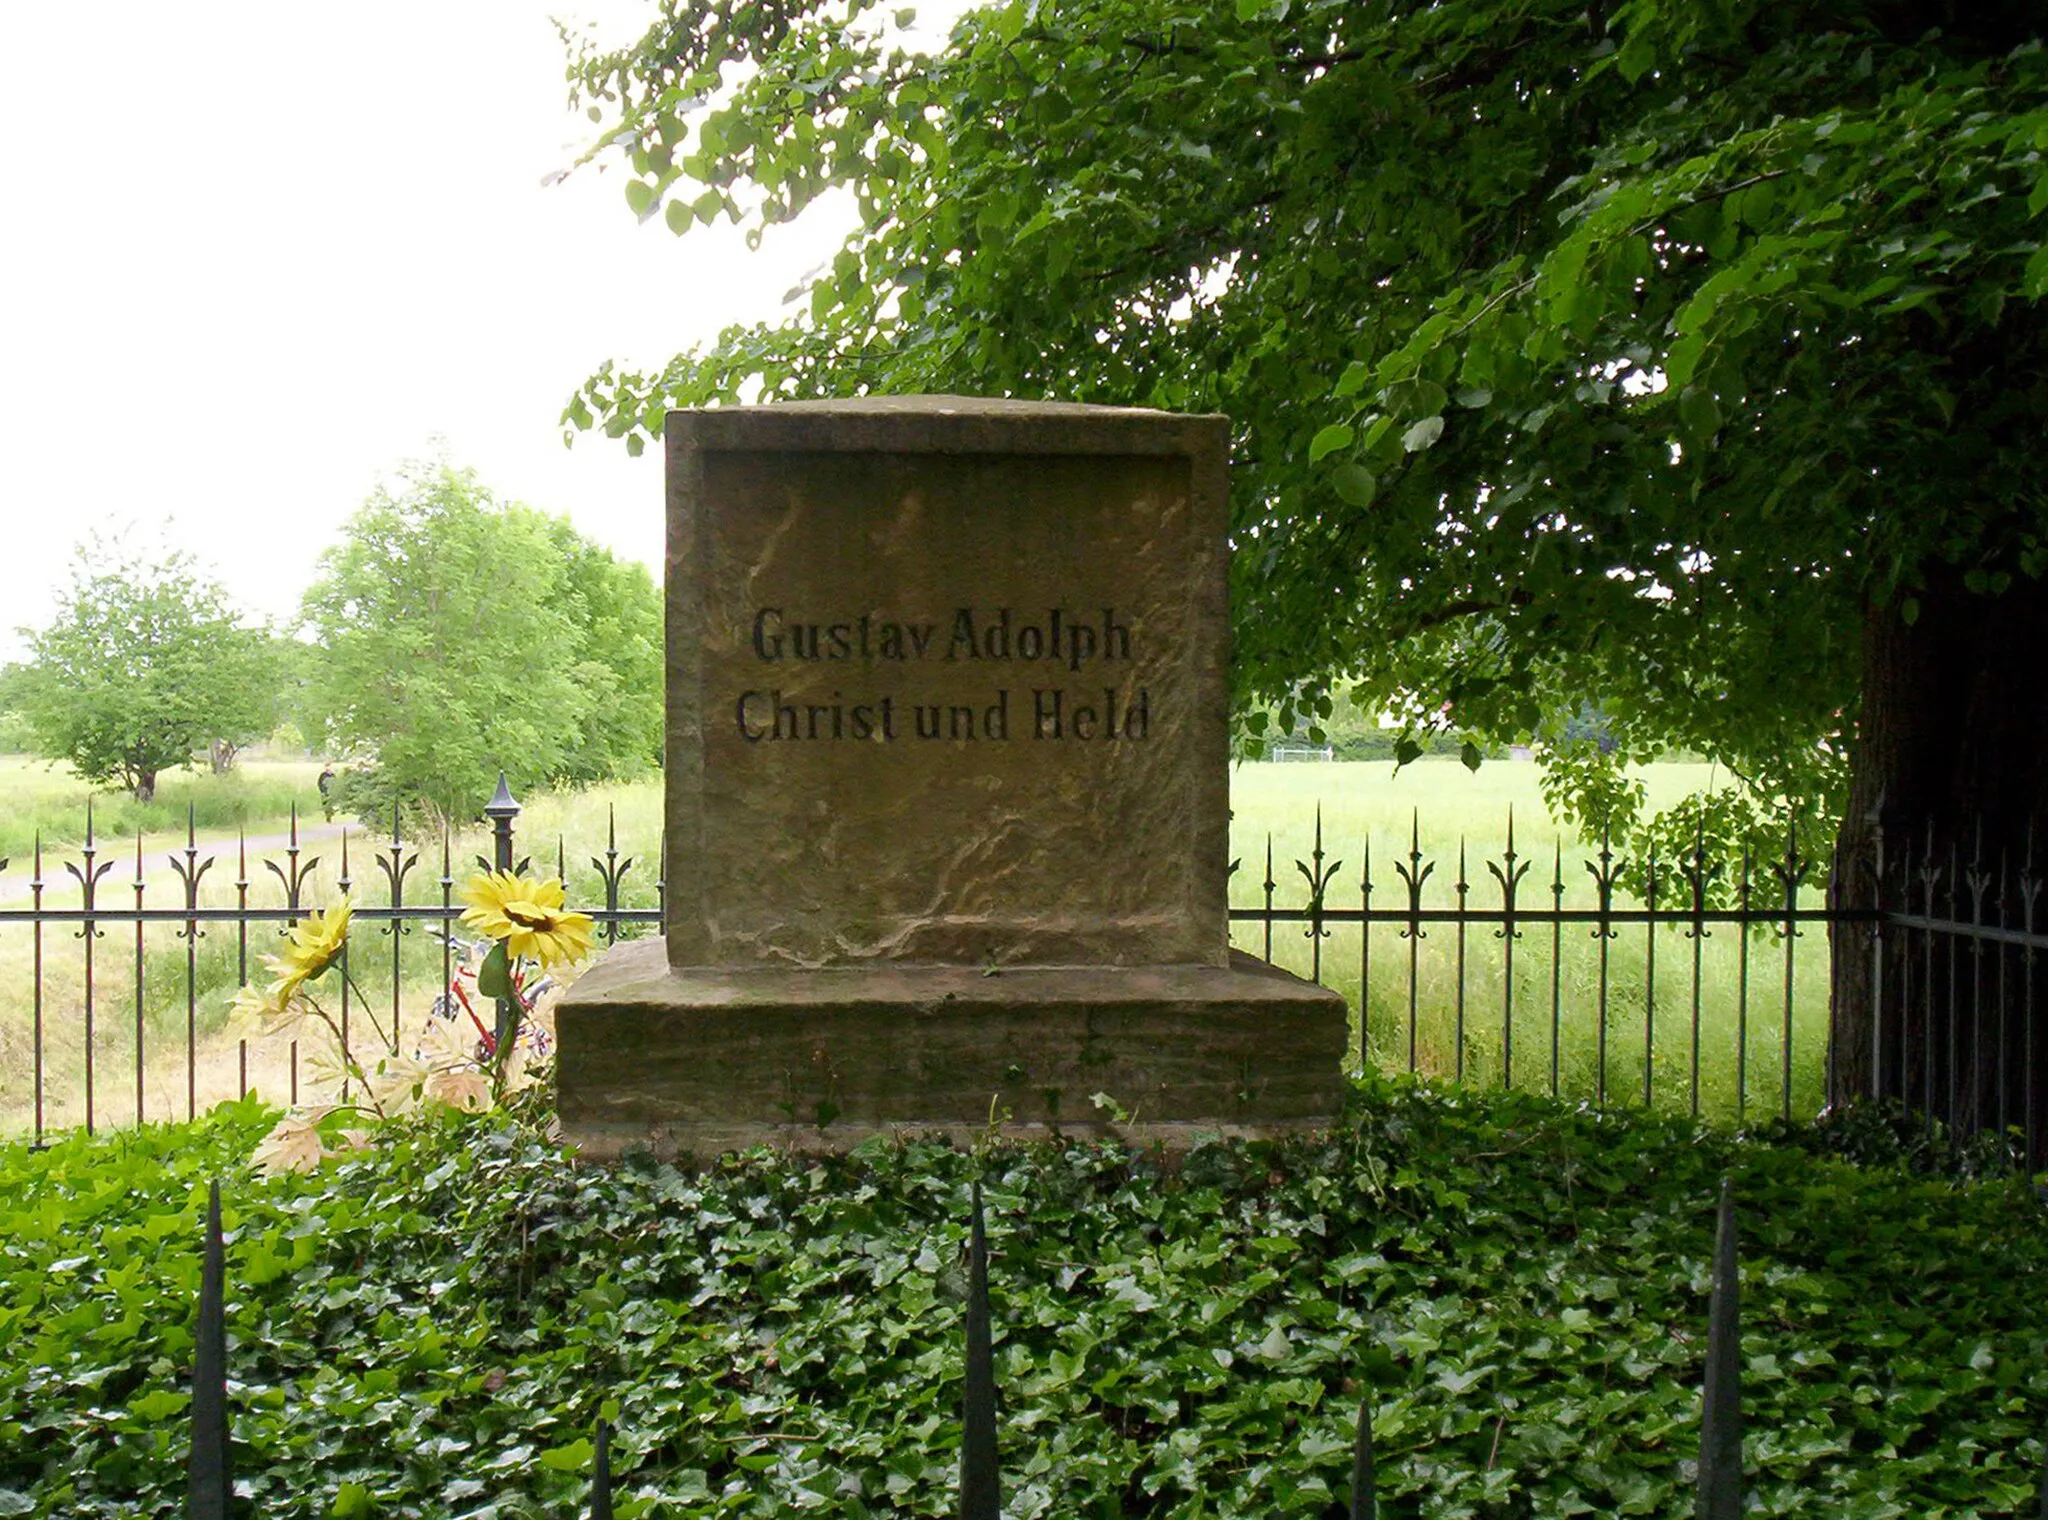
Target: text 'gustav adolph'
[{"x": 1061, "y": 639}]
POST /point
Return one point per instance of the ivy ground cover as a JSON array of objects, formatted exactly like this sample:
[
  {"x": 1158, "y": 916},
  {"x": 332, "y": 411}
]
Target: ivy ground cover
[{"x": 430, "y": 1328}]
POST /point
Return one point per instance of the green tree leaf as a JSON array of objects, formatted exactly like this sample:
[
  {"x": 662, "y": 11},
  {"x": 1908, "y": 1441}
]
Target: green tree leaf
[
  {"x": 1422, "y": 435},
  {"x": 1337, "y": 435},
  {"x": 1355, "y": 483}
]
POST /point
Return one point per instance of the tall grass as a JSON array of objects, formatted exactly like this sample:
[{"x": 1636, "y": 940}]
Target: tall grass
[
  {"x": 1621, "y": 1019},
  {"x": 47, "y": 798}
]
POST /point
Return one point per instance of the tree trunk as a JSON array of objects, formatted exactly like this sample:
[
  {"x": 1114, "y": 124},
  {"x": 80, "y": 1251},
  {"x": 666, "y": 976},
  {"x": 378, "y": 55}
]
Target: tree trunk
[
  {"x": 1949, "y": 790},
  {"x": 222, "y": 753},
  {"x": 145, "y": 786}
]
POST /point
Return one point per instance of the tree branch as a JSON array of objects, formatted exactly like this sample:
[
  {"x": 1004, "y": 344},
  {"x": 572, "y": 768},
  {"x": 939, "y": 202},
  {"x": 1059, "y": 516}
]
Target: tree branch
[{"x": 1450, "y": 612}]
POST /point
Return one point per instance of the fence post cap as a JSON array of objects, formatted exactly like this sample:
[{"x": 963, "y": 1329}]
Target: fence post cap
[{"x": 502, "y": 803}]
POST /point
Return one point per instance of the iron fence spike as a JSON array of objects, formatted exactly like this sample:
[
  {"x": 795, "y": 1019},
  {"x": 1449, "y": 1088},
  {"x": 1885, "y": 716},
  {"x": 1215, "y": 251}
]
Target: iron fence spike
[
  {"x": 980, "y": 1487},
  {"x": 1364, "y": 1482},
  {"x": 212, "y": 1485},
  {"x": 601, "y": 1475},
  {"x": 1720, "y": 1471}
]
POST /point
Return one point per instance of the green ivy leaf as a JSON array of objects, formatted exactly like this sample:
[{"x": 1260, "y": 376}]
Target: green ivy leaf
[
  {"x": 2034, "y": 283},
  {"x": 571, "y": 1458}
]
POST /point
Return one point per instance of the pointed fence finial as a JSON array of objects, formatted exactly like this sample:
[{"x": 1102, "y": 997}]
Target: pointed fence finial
[
  {"x": 1720, "y": 1486},
  {"x": 502, "y": 801},
  {"x": 980, "y": 1489},
  {"x": 501, "y": 810},
  {"x": 212, "y": 1485},
  {"x": 1364, "y": 1485},
  {"x": 601, "y": 1475}
]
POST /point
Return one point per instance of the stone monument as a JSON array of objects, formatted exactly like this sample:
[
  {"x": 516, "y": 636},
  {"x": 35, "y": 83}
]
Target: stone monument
[{"x": 947, "y": 795}]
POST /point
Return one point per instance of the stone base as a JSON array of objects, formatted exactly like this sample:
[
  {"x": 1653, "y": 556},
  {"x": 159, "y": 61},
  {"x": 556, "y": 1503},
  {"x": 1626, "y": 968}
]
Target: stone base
[{"x": 704, "y": 1060}]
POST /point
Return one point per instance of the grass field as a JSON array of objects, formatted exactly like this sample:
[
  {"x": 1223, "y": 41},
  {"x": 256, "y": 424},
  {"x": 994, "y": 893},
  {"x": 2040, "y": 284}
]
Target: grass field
[
  {"x": 45, "y": 798},
  {"x": 1504, "y": 1025},
  {"x": 1542, "y": 1025}
]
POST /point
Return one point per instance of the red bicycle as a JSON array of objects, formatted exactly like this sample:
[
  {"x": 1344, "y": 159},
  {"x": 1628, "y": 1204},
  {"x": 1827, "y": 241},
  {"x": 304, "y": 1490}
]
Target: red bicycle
[{"x": 461, "y": 1001}]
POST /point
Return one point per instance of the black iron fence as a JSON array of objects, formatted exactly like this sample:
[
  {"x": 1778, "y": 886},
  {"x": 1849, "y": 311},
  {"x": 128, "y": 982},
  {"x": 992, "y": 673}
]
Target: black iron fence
[
  {"x": 115, "y": 1013},
  {"x": 1698, "y": 985},
  {"x": 1581, "y": 994},
  {"x": 1951, "y": 968}
]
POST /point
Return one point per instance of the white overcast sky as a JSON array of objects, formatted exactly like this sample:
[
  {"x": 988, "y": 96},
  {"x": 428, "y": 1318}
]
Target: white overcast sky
[{"x": 259, "y": 253}]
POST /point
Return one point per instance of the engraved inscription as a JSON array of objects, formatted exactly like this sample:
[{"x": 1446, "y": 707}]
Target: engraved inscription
[{"x": 1060, "y": 639}]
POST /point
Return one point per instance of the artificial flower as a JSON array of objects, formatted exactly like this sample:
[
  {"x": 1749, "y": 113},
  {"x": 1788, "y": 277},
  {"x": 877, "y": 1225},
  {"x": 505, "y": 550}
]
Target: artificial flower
[
  {"x": 528, "y": 916},
  {"x": 463, "y": 1087},
  {"x": 395, "y": 1083},
  {"x": 327, "y": 1069},
  {"x": 448, "y": 1043},
  {"x": 310, "y": 947},
  {"x": 250, "y": 1003},
  {"x": 293, "y": 1145}
]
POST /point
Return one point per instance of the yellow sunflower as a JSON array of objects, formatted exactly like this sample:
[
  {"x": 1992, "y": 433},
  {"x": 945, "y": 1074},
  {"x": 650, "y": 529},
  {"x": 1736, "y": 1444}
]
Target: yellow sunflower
[
  {"x": 309, "y": 949},
  {"x": 528, "y": 916}
]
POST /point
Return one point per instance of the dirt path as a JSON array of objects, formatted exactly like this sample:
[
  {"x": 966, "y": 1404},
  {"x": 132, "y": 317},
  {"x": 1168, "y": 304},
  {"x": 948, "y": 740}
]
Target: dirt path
[{"x": 60, "y": 887}]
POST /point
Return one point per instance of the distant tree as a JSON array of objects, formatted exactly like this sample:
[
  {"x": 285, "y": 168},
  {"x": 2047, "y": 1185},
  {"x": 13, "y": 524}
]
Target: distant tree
[
  {"x": 14, "y": 735},
  {"x": 615, "y": 613},
  {"x": 145, "y": 663},
  {"x": 254, "y": 677},
  {"x": 461, "y": 636}
]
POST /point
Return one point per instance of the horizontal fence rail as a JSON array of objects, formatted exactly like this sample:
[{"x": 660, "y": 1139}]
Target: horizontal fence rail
[{"x": 1693, "y": 985}]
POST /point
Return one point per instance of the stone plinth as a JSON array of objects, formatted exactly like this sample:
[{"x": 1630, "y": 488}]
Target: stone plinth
[
  {"x": 705, "y": 1059},
  {"x": 947, "y": 792}
]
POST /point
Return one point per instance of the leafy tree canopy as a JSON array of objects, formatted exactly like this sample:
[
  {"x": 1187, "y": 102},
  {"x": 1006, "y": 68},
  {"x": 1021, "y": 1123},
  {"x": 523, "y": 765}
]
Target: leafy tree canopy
[
  {"x": 461, "y": 637},
  {"x": 1629, "y": 353},
  {"x": 144, "y": 663}
]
